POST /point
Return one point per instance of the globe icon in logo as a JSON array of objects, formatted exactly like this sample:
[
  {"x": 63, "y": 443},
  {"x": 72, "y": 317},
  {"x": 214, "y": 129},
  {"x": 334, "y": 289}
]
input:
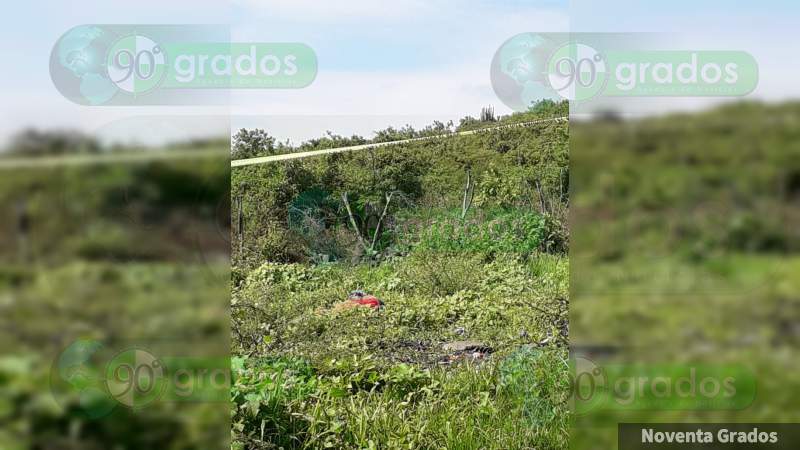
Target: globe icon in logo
[
  {"x": 74, "y": 363},
  {"x": 78, "y": 65},
  {"x": 76, "y": 372},
  {"x": 519, "y": 70},
  {"x": 531, "y": 67},
  {"x": 93, "y": 65}
]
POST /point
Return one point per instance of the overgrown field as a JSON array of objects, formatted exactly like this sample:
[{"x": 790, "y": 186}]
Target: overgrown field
[
  {"x": 312, "y": 376},
  {"x": 685, "y": 251},
  {"x": 464, "y": 242},
  {"x": 121, "y": 255},
  {"x": 117, "y": 305}
]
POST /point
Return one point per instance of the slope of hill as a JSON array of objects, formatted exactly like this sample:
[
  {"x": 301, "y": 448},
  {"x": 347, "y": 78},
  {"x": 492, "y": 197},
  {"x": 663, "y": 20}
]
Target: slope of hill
[
  {"x": 685, "y": 244},
  {"x": 464, "y": 241}
]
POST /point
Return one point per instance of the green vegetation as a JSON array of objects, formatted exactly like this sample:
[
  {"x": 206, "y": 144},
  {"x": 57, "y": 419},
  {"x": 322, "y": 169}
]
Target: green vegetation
[
  {"x": 685, "y": 250},
  {"x": 116, "y": 304},
  {"x": 463, "y": 239},
  {"x": 295, "y": 212},
  {"x": 121, "y": 254}
]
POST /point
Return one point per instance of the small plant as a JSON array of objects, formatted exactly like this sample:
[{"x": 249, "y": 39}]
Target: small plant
[
  {"x": 537, "y": 380},
  {"x": 264, "y": 393}
]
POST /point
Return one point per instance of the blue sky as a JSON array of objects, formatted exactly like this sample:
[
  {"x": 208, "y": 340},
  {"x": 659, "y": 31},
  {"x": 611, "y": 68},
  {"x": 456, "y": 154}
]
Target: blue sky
[{"x": 380, "y": 62}]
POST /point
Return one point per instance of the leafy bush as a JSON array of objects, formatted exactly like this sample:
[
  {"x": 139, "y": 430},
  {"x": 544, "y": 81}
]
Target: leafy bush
[
  {"x": 291, "y": 276},
  {"x": 263, "y": 393},
  {"x": 508, "y": 232},
  {"x": 294, "y": 211},
  {"x": 748, "y": 232},
  {"x": 435, "y": 274}
]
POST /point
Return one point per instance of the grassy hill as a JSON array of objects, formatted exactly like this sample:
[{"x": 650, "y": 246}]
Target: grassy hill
[
  {"x": 463, "y": 239},
  {"x": 119, "y": 254},
  {"x": 685, "y": 245}
]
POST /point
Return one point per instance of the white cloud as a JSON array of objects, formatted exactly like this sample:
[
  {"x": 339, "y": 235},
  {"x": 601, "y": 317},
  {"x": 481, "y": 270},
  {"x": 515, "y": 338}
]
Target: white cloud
[
  {"x": 462, "y": 36},
  {"x": 449, "y": 81},
  {"x": 454, "y": 90}
]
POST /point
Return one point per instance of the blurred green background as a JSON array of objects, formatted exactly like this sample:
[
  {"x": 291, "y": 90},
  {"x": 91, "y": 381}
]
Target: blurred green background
[
  {"x": 119, "y": 253},
  {"x": 685, "y": 243}
]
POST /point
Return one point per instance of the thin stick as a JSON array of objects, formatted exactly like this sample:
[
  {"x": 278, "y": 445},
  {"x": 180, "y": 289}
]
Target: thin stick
[
  {"x": 541, "y": 196},
  {"x": 380, "y": 220},
  {"x": 353, "y": 221},
  {"x": 469, "y": 193}
]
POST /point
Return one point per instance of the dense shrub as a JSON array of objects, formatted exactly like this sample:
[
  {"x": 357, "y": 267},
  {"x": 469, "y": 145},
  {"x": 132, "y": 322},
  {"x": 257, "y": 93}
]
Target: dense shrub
[
  {"x": 507, "y": 232},
  {"x": 296, "y": 212},
  {"x": 262, "y": 393}
]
